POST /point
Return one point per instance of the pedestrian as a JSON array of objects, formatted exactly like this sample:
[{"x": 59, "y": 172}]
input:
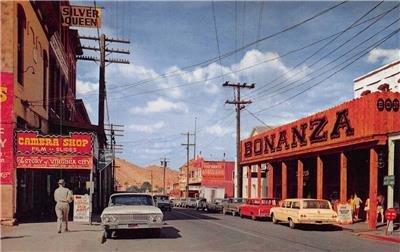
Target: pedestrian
[
  {"x": 63, "y": 196},
  {"x": 366, "y": 209},
  {"x": 379, "y": 208},
  {"x": 352, "y": 206},
  {"x": 357, "y": 204}
]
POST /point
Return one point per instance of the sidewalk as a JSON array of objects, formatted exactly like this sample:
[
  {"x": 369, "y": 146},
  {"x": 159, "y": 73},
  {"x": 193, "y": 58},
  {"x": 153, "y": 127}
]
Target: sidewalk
[
  {"x": 44, "y": 237},
  {"x": 361, "y": 229}
]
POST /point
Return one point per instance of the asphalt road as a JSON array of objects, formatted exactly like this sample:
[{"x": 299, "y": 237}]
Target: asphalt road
[{"x": 189, "y": 230}]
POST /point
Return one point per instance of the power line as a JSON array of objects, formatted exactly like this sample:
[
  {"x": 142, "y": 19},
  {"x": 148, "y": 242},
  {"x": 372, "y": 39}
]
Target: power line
[
  {"x": 331, "y": 75},
  {"x": 286, "y": 87},
  {"x": 354, "y": 24},
  {"x": 214, "y": 59}
]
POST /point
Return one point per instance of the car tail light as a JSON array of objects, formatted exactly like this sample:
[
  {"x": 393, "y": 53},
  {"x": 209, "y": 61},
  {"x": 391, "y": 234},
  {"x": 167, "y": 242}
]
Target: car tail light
[{"x": 303, "y": 216}]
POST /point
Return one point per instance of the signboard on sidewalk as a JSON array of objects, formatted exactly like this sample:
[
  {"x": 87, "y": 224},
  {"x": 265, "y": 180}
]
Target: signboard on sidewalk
[
  {"x": 345, "y": 214},
  {"x": 82, "y": 208},
  {"x": 6, "y": 128}
]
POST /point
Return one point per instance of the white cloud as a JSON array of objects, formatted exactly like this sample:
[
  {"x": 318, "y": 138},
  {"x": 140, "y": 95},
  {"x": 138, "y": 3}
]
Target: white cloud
[
  {"x": 218, "y": 130},
  {"x": 385, "y": 55},
  {"x": 160, "y": 105},
  {"x": 147, "y": 128},
  {"x": 85, "y": 87}
]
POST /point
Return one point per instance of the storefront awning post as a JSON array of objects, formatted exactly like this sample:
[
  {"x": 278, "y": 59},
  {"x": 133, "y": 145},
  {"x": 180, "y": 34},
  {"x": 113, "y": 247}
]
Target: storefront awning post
[
  {"x": 300, "y": 172},
  {"x": 320, "y": 177},
  {"x": 373, "y": 187},
  {"x": 284, "y": 180},
  {"x": 343, "y": 178}
]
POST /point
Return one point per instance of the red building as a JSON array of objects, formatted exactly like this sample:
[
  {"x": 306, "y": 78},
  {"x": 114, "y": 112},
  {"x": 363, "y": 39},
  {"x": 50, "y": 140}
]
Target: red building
[
  {"x": 206, "y": 173},
  {"x": 333, "y": 154}
]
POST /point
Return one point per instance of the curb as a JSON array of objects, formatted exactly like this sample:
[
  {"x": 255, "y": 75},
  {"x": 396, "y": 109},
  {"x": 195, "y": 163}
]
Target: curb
[{"x": 381, "y": 238}]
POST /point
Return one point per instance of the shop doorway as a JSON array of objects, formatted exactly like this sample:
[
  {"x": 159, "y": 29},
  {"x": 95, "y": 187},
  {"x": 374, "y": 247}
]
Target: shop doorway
[
  {"x": 277, "y": 180},
  {"x": 35, "y": 191},
  {"x": 310, "y": 178},
  {"x": 331, "y": 177},
  {"x": 291, "y": 179}
]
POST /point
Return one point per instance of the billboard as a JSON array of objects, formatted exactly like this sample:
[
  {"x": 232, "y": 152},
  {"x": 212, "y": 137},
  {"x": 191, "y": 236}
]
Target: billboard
[
  {"x": 54, "y": 162},
  {"x": 213, "y": 170},
  {"x": 6, "y": 128}
]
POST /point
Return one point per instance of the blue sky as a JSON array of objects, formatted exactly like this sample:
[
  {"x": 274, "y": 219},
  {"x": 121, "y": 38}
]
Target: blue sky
[{"x": 167, "y": 37}]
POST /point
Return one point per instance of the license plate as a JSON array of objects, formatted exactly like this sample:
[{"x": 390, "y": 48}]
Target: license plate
[{"x": 132, "y": 225}]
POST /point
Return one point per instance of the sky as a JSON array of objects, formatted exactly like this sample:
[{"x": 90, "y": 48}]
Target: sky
[{"x": 301, "y": 56}]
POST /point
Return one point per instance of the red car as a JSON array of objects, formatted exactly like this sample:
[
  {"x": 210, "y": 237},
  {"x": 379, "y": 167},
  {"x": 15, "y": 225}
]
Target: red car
[{"x": 258, "y": 208}]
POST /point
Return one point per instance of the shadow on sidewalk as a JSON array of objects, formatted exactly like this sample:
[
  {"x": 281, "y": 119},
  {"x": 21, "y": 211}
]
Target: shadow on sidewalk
[{"x": 13, "y": 237}]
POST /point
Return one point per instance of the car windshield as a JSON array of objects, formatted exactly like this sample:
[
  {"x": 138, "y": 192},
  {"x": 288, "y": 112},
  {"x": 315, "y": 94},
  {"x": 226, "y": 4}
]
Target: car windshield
[
  {"x": 237, "y": 200},
  {"x": 161, "y": 197},
  {"x": 135, "y": 200},
  {"x": 316, "y": 204}
]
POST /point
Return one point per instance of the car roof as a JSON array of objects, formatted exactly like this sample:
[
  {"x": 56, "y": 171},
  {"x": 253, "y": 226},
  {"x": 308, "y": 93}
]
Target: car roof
[{"x": 129, "y": 193}]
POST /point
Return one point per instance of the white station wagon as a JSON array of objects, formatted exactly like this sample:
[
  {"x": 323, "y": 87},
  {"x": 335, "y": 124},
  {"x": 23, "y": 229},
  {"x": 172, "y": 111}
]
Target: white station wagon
[
  {"x": 131, "y": 211},
  {"x": 304, "y": 211}
]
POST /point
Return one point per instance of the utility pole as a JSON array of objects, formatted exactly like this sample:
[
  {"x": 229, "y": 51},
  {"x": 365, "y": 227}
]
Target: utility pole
[
  {"x": 187, "y": 144},
  {"x": 240, "y": 104},
  {"x": 164, "y": 163},
  {"x": 104, "y": 193},
  {"x": 194, "y": 140},
  {"x": 115, "y": 130}
]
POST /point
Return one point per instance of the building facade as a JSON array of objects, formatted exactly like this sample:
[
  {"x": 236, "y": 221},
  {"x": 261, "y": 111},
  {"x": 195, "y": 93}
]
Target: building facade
[
  {"x": 332, "y": 154},
  {"x": 43, "y": 125},
  {"x": 206, "y": 173},
  {"x": 385, "y": 78}
]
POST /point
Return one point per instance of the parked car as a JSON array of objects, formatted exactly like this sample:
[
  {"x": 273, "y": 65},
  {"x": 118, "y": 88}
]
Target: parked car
[
  {"x": 304, "y": 211},
  {"x": 162, "y": 202},
  {"x": 131, "y": 211},
  {"x": 232, "y": 206},
  {"x": 190, "y": 202},
  {"x": 215, "y": 205},
  {"x": 258, "y": 208},
  {"x": 201, "y": 204}
]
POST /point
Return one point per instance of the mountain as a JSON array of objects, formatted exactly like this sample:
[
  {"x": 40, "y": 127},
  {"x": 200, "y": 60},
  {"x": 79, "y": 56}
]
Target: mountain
[{"x": 128, "y": 175}]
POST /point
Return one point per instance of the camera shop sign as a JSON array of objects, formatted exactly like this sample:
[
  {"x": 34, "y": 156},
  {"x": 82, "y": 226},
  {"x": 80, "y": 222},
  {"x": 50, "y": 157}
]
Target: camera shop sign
[
  {"x": 349, "y": 123},
  {"x": 37, "y": 151},
  {"x": 82, "y": 16}
]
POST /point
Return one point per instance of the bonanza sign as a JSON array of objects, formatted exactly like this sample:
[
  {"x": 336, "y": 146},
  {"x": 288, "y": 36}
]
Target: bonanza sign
[
  {"x": 6, "y": 128},
  {"x": 369, "y": 118},
  {"x": 28, "y": 142},
  {"x": 82, "y": 16}
]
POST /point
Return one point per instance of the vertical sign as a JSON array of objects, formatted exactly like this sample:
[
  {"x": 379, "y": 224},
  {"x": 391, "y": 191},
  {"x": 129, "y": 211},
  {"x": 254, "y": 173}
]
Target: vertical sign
[
  {"x": 6, "y": 128},
  {"x": 81, "y": 208}
]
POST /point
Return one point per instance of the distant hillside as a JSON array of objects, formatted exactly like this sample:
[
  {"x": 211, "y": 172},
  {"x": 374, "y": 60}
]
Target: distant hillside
[{"x": 128, "y": 174}]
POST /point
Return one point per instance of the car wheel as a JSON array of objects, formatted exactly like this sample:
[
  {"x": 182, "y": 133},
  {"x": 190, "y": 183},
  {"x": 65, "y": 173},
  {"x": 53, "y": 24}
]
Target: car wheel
[
  {"x": 291, "y": 224},
  {"x": 274, "y": 220}
]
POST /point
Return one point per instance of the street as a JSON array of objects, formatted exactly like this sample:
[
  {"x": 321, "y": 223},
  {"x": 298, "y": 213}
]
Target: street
[{"x": 189, "y": 230}]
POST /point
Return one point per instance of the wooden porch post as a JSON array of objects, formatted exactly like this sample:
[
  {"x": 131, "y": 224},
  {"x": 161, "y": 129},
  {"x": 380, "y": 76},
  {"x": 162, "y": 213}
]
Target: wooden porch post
[
  {"x": 284, "y": 180},
  {"x": 270, "y": 170},
  {"x": 249, "y": 182},
  {"x": 320, "y": 177},
  {"x": 259, "y": 180},
  {"x": 373, "y": 187},
  {"x": 343, "y": 177},
  {"x": 300, "y": 171}
]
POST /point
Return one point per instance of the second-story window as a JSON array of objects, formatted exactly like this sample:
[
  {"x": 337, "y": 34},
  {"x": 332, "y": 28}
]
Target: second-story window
[{"x": 20, "y": 45}]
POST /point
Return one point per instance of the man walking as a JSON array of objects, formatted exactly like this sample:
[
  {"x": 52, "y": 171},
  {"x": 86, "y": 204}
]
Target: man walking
[{"x": 63, "y": 196}]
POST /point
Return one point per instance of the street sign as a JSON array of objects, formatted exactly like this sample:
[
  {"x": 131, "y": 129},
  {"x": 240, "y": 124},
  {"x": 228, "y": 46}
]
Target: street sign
[
  {"x": 388, "y": 180},
  {"x": 105, "y": 158},
  {"x": 390, "y": 214}
]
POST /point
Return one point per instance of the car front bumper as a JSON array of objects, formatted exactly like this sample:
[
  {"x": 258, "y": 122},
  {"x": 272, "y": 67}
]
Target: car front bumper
[{"x": 132, "y": 226}]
